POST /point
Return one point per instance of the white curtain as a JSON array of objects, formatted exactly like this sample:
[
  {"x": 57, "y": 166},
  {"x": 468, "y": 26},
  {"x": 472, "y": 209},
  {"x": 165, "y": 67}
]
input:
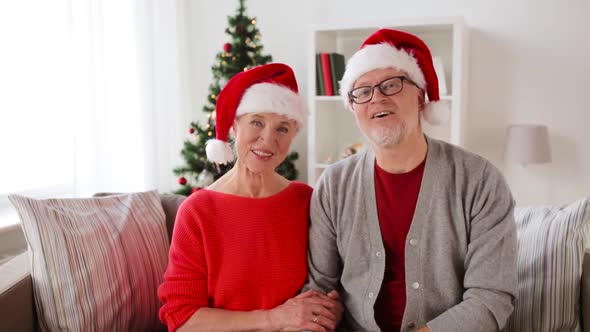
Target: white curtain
[
  {"x": 94, "y": 95},
  {"x": 135, "y": 105}
]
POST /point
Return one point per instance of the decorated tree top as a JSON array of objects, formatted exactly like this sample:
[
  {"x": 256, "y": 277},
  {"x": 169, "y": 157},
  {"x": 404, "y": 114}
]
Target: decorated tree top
[{"x": 242, "y": 52}]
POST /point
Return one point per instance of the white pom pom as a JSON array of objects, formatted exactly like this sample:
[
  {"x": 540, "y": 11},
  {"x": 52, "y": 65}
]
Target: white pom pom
[
  {"x": 219, "y": 151},
  {"x": 436, "y": 112}
]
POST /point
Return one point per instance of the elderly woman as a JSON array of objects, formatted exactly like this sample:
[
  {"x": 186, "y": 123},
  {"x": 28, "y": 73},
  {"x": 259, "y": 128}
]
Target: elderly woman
[{"x": 238, "y": 257}]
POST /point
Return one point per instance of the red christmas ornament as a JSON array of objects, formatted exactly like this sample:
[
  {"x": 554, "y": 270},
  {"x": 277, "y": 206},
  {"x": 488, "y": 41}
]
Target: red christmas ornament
[
  {"x": 195, "y": 189},
  {"x": 227, "y": 47},
  {"x": 182, "y": 181},
  {"x": 192, "y": 130}
]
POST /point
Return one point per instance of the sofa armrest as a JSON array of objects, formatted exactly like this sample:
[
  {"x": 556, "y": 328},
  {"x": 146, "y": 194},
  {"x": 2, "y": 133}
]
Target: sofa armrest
[
  {"x": 12, "y": 242},
  {"x": 17, "y": 309}
]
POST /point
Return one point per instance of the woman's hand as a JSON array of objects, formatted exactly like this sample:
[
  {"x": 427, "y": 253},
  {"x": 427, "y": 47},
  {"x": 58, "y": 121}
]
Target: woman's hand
[{"x": 311, "y": 311}]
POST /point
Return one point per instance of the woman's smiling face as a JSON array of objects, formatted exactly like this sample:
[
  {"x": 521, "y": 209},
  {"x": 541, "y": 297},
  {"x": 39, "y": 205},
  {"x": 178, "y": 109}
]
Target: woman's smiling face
[{"x": 262, "y": 140}]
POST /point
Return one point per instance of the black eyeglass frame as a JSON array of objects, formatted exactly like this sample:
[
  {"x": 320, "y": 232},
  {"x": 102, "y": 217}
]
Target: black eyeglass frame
[{"x": 380, "y": 86}]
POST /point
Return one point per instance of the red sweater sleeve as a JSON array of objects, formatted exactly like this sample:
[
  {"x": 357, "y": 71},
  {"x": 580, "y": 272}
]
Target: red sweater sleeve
[{"x": 184, "y": 289}]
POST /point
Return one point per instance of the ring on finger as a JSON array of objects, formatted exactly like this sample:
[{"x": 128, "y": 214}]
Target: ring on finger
[{"x": 315, "y": 318}]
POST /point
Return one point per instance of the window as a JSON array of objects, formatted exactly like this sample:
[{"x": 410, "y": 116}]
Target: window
[
  {"x": 91, "y": 97},
  {"x": 36, "y": 132}
]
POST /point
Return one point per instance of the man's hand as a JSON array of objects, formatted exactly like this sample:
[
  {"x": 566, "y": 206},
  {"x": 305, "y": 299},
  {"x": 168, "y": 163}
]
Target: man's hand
[
  {"x": 423, "y": 329},
  {"x": 309, "y": 311},
  {"x": 333, "y": 303},
  {"x": 338, "y": 308}
]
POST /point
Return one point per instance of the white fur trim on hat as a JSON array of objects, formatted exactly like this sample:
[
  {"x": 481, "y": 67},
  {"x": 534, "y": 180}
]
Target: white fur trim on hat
[
  {"x": 377, "y": 56},
  {"x": 273, "y": 98},
  {"x": 436, "y": 112},
  {"x": 219, "y": 151}
]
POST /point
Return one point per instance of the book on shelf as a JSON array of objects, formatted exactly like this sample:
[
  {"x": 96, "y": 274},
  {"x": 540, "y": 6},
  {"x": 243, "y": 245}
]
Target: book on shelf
[
  {"x": 329, "y": 71},
  {"x": 327, "y": 74},
  {"x": 319, "y": 77},
  {"x": 337, "y": 66}
]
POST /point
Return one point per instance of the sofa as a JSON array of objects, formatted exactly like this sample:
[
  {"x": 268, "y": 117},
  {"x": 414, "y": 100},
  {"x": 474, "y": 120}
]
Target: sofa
[{"x": 17, "y": 308}]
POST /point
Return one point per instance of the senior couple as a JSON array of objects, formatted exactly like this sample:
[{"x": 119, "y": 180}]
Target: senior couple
[{"x": 412, "y": 234}]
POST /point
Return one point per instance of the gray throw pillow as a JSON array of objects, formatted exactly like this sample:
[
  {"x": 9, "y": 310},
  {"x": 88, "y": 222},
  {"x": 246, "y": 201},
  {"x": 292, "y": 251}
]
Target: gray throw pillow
[{"x": 551, "y": 243}]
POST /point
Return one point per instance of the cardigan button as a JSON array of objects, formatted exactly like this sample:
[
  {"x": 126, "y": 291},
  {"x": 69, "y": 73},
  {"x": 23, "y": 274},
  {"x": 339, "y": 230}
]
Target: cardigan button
[
  {"x": 413, "y": 242},
  {"x": 411, "y": 325},
  {"x": 415, "y": 285}
]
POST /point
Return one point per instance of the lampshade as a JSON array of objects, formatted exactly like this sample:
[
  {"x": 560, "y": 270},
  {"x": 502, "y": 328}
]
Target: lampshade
[{"x": 527, "y": 144}]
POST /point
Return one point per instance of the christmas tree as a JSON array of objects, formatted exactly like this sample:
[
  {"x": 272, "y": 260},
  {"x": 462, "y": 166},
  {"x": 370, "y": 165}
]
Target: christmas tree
[{"x": 244, "y": 51}]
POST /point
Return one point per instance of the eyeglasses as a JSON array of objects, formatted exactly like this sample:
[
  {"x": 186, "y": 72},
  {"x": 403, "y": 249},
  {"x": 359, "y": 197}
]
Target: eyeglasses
[{"x": 388, "y": 87}]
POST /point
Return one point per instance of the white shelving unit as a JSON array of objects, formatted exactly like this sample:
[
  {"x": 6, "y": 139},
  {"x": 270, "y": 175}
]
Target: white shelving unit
[{"x": 332, "y": 128}]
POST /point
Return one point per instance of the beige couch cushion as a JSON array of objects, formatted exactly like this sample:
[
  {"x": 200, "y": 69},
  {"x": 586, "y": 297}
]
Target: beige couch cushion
[
  {"x": 170, "y": 204},
  {"x": 96, "y": 262}
]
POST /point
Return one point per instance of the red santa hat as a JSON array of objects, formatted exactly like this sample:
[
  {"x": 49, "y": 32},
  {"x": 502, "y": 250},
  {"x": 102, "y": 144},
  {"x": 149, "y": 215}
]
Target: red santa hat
[
  {"x": 387, "y": 48},
  {"x": 269, "y": 88}
]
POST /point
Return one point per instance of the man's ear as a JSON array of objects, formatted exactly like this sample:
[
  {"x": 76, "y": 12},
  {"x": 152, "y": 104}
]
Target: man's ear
[{"x": 421, "y": 100}]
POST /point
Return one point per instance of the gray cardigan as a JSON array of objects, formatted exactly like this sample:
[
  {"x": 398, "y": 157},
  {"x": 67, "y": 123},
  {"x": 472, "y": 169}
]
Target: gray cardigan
[{"x": 460, "y": 252}]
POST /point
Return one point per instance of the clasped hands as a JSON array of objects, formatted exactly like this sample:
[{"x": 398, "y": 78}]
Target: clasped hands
[{"x": 308, "y": 311}]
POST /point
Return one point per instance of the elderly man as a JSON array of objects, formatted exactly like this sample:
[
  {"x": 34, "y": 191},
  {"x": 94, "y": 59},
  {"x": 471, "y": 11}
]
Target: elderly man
[{"x": 414, "y": 233}]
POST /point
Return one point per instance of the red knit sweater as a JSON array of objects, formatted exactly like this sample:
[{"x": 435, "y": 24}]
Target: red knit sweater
[{"x": 236, "y": 253}]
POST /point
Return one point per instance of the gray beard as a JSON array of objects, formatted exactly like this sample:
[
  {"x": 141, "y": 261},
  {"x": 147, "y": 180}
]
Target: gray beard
[{"x": 388, "y": 137}]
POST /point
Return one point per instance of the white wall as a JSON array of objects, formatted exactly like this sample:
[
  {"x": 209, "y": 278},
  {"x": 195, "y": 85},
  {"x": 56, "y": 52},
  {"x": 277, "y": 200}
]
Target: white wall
[{"x": 529, "y": 63}]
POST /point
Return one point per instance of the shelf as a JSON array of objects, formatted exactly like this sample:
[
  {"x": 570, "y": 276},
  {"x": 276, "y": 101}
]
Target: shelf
[
  {"x": 414, "y": 24},
  {"x": 328, "y": 98}
]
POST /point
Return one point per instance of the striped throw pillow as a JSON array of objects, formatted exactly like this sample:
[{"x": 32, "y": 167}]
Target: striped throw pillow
[
  {"x": 551, "y": 242},
  {"x": 96, "y": 263}
]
